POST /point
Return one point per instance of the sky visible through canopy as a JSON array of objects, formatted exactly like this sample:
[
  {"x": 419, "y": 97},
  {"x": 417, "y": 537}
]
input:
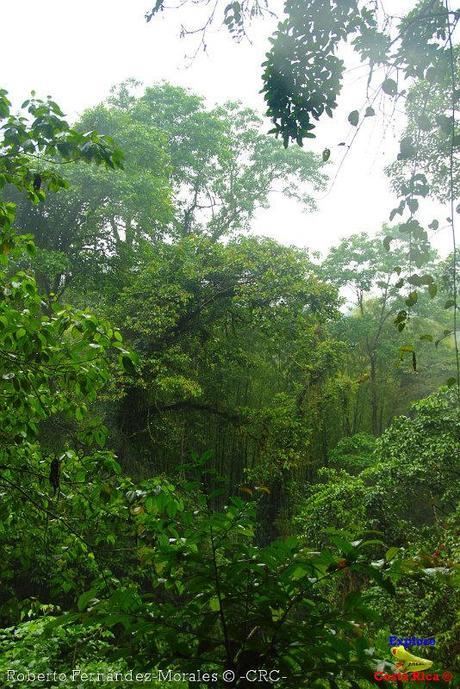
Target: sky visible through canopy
[{"x": 77, "y": 52}]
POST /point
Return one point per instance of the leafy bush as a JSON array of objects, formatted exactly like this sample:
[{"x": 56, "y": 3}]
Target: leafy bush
[{"x": 353, "y": 453}]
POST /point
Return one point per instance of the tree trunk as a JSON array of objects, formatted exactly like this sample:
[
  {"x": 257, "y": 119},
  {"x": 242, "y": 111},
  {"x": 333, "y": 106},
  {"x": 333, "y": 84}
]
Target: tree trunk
[{"x": 374, "y": 396}]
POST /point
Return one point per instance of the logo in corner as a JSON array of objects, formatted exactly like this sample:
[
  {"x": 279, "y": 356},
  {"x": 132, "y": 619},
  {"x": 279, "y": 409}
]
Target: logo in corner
[{"x": 407, "y": 662}]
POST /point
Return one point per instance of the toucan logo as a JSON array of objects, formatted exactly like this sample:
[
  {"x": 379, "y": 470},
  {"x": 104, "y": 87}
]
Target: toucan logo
[{"x": 407, "y": 662}]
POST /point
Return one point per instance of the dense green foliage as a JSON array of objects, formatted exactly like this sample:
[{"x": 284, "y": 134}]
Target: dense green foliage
[
  {"x": 410, "y": 58},
  {"x": 219, "y": 453}
]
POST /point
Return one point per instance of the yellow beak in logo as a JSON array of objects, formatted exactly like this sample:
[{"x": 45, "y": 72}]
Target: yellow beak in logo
[{"x": 409, "y": 662}]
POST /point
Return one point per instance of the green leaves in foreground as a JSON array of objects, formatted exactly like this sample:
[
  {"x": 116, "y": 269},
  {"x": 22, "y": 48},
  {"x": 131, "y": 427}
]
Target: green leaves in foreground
[{"x": 216, "y": 599}]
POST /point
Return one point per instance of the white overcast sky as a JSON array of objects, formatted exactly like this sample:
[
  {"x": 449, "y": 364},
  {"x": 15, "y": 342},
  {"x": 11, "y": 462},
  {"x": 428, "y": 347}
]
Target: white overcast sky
[{"x": 77, "y": 51}]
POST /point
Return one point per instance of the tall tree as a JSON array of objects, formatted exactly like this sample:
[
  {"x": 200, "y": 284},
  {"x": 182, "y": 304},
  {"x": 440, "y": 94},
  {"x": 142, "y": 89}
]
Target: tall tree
[
  {"x": 364, "y": 266},
  {"x": 234, "y": 348},
  {"x": 188, "y": 169}
]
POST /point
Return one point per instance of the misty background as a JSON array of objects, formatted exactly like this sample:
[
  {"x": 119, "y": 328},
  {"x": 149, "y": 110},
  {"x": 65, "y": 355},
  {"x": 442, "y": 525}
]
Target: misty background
[{"x": 77, "y": 53}]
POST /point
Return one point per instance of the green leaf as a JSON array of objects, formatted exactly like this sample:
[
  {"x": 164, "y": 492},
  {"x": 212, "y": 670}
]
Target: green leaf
[
  {"x": 353, "y": 118},
  {"x": 407, "y": 150},
  {"x": 85, "y": 598},
  {"x": 387, "y": 242},
  {"x": 432, "y": 290},
  {"x": 412, "y": 298},
  {"x": 412, "y": 204},
  {"x": 298, "y": 573},
  {"x": 391, "y": 552},
  {"x": 326, "y": 155},
  {"x": 127, "y": 364},
  {"x": 214, "y": 604},
  {"x": 390, "y": 87}
]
